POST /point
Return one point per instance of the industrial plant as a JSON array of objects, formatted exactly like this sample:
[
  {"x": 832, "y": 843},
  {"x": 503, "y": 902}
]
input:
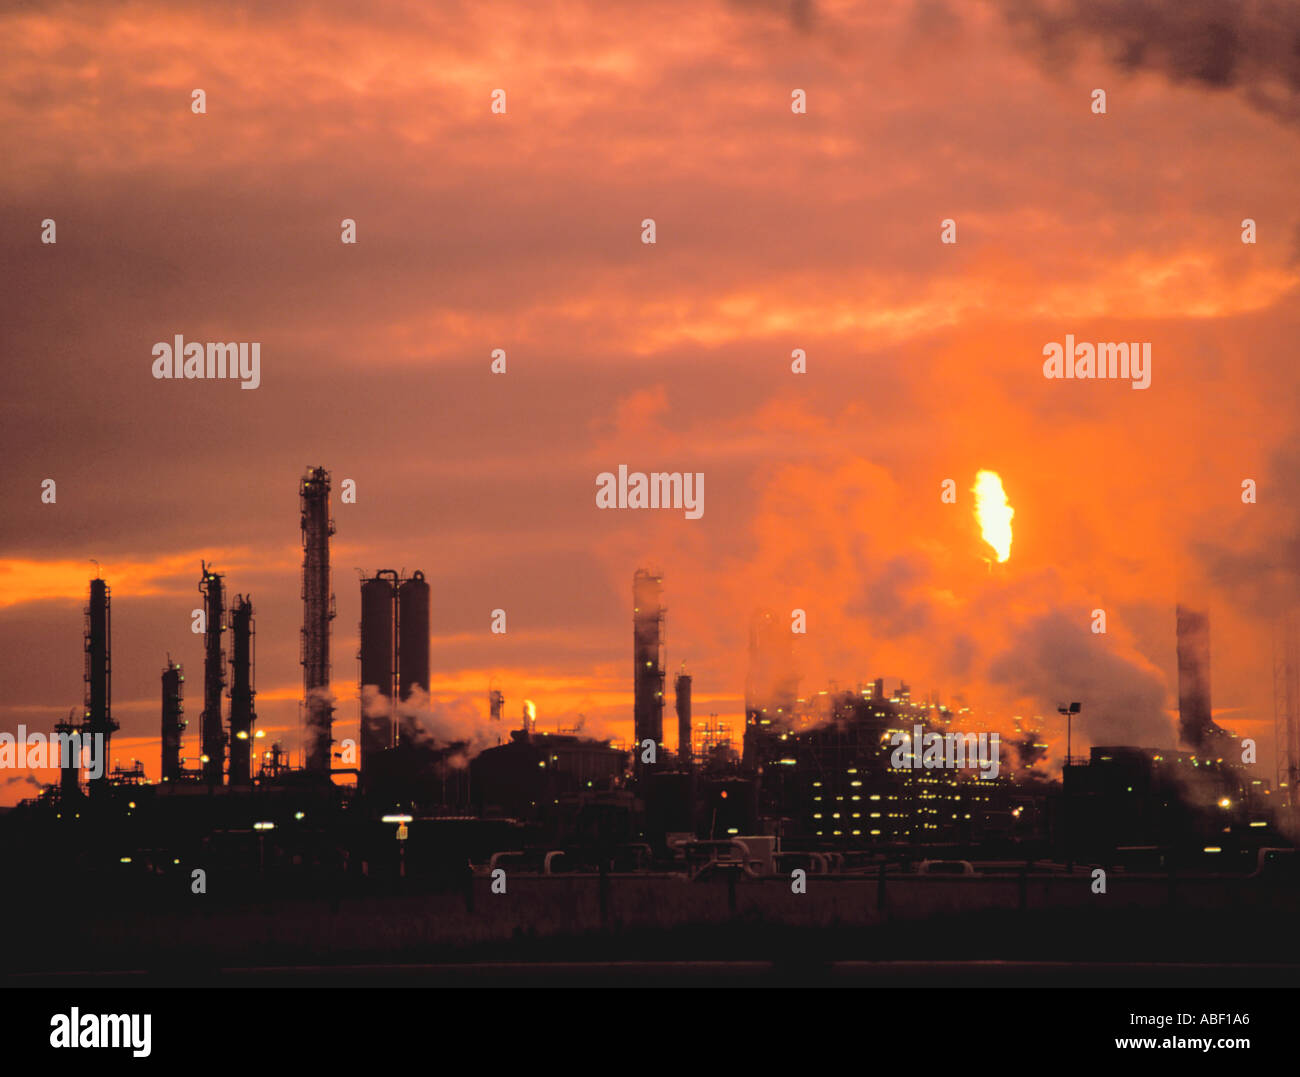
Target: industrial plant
[{"x": 808, "y": 786}]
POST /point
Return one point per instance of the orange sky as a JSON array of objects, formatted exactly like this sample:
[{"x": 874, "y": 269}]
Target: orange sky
[{"x": 776, "y": 231}]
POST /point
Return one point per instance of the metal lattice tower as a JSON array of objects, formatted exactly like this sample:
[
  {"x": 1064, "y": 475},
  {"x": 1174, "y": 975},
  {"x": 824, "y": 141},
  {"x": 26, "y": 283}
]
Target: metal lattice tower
[
  {"x": 714, "y": 735},
  {"x": 317, "y": 612}
]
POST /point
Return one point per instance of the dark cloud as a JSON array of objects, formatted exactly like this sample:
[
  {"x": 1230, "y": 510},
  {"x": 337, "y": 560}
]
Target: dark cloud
[
  {"x": 1056, "y": 658},
  {"x": 801, "y": 13},
  {"x": 1250, "y": 48}
]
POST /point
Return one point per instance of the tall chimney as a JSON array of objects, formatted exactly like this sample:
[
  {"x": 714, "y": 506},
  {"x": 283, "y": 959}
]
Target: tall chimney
[
  {"x": 682, "y": 691},
  {"x": 99, "y": 718},
  {"x": 173, "y": 724},
  {"x": 647, "y": 661},
  {"x": 241, "y": 691},
  {"x": 212, "y": 737},
  {"x": 1196, "y": 729},
  {"x": 317, "y": 612}
]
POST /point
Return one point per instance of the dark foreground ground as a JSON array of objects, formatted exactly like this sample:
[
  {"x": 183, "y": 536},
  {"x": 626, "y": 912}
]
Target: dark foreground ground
[
  {"x": 661, "y": 930},
  {"x": 701, "y": 974}
]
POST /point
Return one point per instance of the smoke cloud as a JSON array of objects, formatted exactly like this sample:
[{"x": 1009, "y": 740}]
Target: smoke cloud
[{"x": 437, "y": 724}]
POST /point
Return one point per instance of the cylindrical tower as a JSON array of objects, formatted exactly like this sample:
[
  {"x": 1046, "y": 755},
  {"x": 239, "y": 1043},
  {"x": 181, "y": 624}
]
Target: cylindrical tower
[
  {"x": 1196, "y": 726},
  {"x": 317, "y": 612},
  {"x": 378, "y": 663},
  {"x": 682, "y": 690},
  {"x": 241, "y": 691},
  {"x": 647, "y": 661},
  {"x": 173, "y": 722},
  {"x": 412, "y": 638},
  {"x": 99, "y": 671},
  {"x": 212, "y": 737},
  {"x": 413, "y": 634}
]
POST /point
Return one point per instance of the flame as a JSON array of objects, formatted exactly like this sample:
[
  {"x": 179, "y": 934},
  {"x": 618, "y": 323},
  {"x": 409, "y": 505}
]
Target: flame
[{"x": 993, "y": 512}]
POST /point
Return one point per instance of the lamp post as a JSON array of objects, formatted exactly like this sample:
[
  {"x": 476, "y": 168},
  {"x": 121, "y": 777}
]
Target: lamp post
[
  {"x": 261, "y": 829},
  {"x": 401, "y": 821}
]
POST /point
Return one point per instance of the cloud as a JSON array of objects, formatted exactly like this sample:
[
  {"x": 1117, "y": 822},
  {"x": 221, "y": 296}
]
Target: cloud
[{"x": 1250, "y": 49}]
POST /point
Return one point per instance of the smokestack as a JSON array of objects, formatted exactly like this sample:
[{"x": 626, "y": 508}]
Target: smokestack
[
  {"x": 682, "y": 690},
  {"x": 412, "y": 637},
  {"x": 317, "y": 612},
  {"x": 173, "y": 694},
  {"x": 496, "y": 704},
  {"x": 1196, "y": 729},
  {"x": 99, "y": 719},
  {"x": 241, "y": 691},
  {"x": 211, "y": 735},
  {"x": 378, "y": 661},
  {"x": 647, "y": 660}
]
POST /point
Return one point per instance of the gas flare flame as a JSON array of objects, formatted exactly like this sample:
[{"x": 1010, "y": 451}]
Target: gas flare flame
[{"x": 993, "y": 512}]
